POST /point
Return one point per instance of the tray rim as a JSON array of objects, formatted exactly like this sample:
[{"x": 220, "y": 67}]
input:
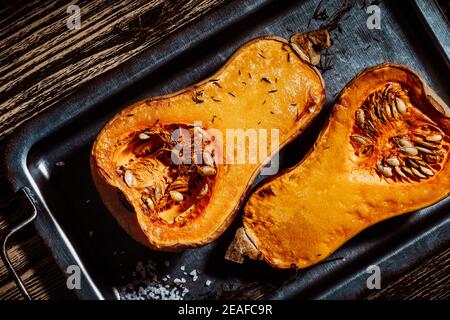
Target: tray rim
[{"x": 20, "y": 143}]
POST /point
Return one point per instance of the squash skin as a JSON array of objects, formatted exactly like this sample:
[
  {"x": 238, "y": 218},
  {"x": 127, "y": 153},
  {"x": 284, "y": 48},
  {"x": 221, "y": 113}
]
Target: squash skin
[
  {"x": 232, "y": 180},
  {"x": 303, "y": 216}
]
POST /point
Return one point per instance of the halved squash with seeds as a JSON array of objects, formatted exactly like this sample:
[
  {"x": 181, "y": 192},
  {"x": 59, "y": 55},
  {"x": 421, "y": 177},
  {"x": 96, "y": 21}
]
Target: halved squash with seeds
[
  {"x": 384, "y": 152},
  {"x": 168, "y": 198}
]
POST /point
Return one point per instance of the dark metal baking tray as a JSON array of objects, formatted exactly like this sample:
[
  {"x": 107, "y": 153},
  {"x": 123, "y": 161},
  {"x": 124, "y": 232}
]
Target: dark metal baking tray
[{"x": 77, "y": 228}]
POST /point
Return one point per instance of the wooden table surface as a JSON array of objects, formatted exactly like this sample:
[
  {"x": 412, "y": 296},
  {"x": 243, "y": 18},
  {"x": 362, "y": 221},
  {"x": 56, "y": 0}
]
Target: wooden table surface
[{"x": 42, "y": 61}]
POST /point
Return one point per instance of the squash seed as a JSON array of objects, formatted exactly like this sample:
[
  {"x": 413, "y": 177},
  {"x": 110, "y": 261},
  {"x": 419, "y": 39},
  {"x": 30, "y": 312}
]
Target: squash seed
[
  {"x": 394, "y": 111},
  {"x": 412, "y": 163},
  {"x": 400, "y": 172},
  {"x": 203, "y": 191},
  {"x": 360, "y": 117},
  {"x": 158, "y": 192},
  {"x": 129, "y": 178},
  {"x": 428, "y": 145},
  {"x": 379, "y": 112},
  {"x": 360, "y": 139},
  {"x": 411, "y": 151},
  {"x": 401, "y": 106},
  {"x": 144, "y": 136},
  {"x": 207, "y": 171},
  {"x": 393, "y": 161},
  {"x": 387, "y": 110},
  {"x": 427, "y": 171},
  {"x": 405, "y": 143},
  {"x": 208, "y": 159},
  {"x": 150, "y": 204},
  {"x": 417, "y": 173},
  {"x": 407, "y": 170},
  {"x": 434, "y": 138},
  {"x": 423, "y": 150},
  {"x": 176, "y": 196},
  {"x": 385, "y": 171}
]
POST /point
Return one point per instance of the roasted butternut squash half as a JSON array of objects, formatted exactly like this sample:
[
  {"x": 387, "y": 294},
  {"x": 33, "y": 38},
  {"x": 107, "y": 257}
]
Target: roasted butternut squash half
[
  {"x": 167, "y": 204},
  {"x": 384, "y": 152}
]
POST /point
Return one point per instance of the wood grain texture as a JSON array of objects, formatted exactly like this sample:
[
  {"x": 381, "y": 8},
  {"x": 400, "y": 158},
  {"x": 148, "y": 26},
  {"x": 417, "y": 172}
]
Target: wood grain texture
[{"x": 41, "y": 62}]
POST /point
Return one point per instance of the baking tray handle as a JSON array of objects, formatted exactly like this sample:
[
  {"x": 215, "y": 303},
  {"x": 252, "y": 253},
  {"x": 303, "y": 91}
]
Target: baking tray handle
[{"x": 27, "y": 202}]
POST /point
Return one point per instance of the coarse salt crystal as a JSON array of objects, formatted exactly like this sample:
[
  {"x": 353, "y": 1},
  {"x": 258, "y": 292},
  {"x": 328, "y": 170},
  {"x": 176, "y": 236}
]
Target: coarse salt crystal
[
  {"x": 208, "y": 283},
  {"x": 145, "y": 285},
  {"x": 182, "y": 268}
]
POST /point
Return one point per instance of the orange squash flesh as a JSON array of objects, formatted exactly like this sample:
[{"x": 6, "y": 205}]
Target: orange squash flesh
[
  {"x": 346, "y": 183},
  {"x": 264, "y": 85}
]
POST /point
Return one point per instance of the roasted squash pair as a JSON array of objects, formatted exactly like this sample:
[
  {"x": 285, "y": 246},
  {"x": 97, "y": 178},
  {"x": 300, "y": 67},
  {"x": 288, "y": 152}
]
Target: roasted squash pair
[{"x": 159, "y": 164}]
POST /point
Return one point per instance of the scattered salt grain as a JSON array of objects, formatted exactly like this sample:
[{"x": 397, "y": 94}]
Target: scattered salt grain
[
  {"x": 193, "y": 273},
  {"x": 147, "y": 284},
  {"x": 208, "y": 283},
  {"x": 60, "y": 164}
]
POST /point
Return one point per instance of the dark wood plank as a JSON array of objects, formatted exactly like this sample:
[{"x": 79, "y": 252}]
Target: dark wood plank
[
  {"x": 41, "y": 62},
  {"x": 430, "y": 280}
]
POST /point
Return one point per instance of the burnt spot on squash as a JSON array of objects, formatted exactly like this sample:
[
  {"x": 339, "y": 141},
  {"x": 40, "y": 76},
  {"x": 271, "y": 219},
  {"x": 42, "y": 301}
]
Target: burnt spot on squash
[{"x": 266, "y": 192}]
